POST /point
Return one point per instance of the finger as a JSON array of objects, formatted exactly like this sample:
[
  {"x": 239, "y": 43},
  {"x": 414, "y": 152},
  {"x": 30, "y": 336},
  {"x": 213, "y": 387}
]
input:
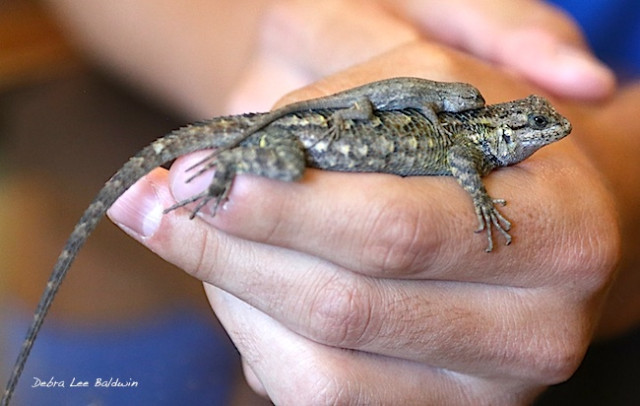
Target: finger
[
  {"x": 252, "y": 379},
  {"x": 531, "y": 37},
  {"x": 458, "y": 326},
  {"x": 295, "y": 370},
  {"x": 422, "y": 227}
]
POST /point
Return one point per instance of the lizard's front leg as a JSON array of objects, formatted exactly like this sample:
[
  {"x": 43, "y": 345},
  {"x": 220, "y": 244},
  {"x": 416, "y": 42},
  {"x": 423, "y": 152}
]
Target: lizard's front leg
[
  {"x": 464, "y": 162},
  {"x": 276, "y": 158}
]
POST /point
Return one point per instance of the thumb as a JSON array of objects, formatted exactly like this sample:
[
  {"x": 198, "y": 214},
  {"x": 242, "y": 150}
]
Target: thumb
[{"x": 532, "y": 38}]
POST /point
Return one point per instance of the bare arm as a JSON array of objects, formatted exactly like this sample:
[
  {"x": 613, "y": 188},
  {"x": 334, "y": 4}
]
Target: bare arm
[{"x": 187, "y": 54}]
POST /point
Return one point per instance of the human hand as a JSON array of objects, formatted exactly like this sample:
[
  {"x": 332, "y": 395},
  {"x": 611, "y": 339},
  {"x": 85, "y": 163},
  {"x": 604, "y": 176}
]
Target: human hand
[
  {"x": 369, "y": 288},
  {"x": 302, "y": 41},
  {"x": 609, "y": 137},
  {"x": 532, "y": 38},
  {"x": 177, "y": 54}
]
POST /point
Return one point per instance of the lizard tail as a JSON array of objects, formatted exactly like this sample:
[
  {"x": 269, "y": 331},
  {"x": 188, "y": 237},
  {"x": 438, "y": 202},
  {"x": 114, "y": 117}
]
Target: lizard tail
[{"x": 180, "y": 142}]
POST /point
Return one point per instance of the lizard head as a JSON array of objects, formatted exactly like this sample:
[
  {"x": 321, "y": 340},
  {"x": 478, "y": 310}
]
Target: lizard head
[{"x": 524, "y": 126}]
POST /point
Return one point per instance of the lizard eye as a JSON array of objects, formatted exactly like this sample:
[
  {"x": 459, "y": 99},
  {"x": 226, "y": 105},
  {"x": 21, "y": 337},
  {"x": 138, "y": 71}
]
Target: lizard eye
[{"x": 538, "y": 122}]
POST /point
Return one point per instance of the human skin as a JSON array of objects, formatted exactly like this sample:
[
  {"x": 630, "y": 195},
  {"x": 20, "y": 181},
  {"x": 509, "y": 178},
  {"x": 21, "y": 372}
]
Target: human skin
[{"x": 300, "y": 272}]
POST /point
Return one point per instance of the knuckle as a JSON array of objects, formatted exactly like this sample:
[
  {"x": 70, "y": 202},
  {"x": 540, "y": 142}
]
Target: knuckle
[
  {"x": 593, "y": 260},
  {"x": 398, "y": 242},
  {"x": 593, "y": 250},
  {"x": 601, "y": 244},
  {"x": 556, "y": 360},
  {"x": 581, "y": 235},
  {"x": 341, "y": 314},
  {"x": 546, "y": 352}
]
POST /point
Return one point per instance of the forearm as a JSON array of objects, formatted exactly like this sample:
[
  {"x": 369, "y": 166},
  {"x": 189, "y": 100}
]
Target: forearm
[{"x": 187, "y": 54}]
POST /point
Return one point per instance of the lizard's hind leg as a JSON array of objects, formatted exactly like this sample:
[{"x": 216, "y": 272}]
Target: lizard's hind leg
[{"x": 281, "y": 159}]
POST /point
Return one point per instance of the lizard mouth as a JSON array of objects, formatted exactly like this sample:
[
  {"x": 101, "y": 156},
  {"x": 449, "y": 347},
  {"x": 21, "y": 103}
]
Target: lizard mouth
[{"x": 567, "y": 126}]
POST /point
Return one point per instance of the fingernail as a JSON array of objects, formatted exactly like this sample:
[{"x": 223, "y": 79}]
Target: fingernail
[{"x": 138, "y": 211}]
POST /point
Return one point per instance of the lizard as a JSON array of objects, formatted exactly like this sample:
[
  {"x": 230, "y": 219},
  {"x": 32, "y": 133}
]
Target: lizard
[
  {"x": 466, "y": 145},
  {"x": 428, "y": 96}
]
